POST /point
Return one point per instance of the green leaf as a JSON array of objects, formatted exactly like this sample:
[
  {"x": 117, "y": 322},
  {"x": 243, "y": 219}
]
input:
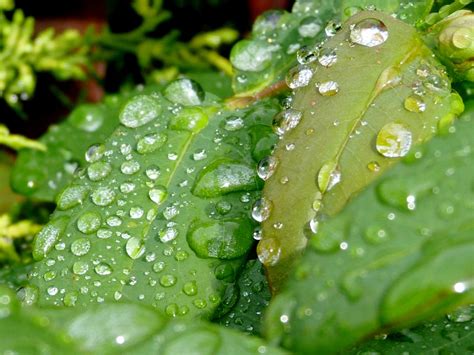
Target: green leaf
[
  {"x": 452, "y": 334},
  {"x": 111, "y": 329},
  {"x": 279, "y": 37},
  {"x": 161, "y": 214},
  {"x": 391, "y": 264},
  {"x": 253, "y": 298},
  {"x": 367, "y": 102},
  {"x": 7, "y": 197}
]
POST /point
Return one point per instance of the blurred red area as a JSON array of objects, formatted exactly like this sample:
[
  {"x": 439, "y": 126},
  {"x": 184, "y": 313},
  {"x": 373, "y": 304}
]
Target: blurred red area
[{"x": 258, "y": 6}]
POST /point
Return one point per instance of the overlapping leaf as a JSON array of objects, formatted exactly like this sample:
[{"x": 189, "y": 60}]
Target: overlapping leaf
[
  {"x": 373, "y": 93},
  {"x": 119, "y": 328},
  {"x": 161, "y": 214},
  {"x": 399, "y": 253},
  {"x": 265, "y": 58}
]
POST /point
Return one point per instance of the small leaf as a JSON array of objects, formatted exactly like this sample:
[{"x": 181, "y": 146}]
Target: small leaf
[
  {"x": 375, "y": 94},
  {"x": 377, "y": 267}
]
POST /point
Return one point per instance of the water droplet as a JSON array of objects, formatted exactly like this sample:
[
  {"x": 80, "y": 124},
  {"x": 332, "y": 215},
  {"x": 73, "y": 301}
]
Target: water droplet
[
  {"x": 185, "y": 92},
  {"x": 376, "y": 235},
  {"x": 87, "y": 117},
  {"x": 94, "y": 153},
  {"x": 234, "y": 124},
  {"x": 71, "y": 197},
  {"x": 28, "y": 295},
  {"x": 140, "y": 110},
  {"x": 152, "y": 172},
  {"x": 130, "y": 167},
  {"x": 80, "y": 267},
  {"x": 114, "y": 221},
  {"x": 227, "y": 239},
  {"x": 327, "y": 57},
  {"x": 135, "y": 247},
  {"x": 309, "y": 27},
  {"x": 49, "y": 276},
  {"x": 48, "y": 236},
  {"x": 373, "y": 166},
  {"x": 332, "y": 28},
  {"x": 461, "y": 315},
  {"x": 103, "y": 196},
  {"x": 268, "y": 251},
  {"x": 261, "y": 209},
  {"x": 306, "y": 54},
  {"x": 190, "y": 288},
  {"x": 168, "y": 234},
  {"x": 252, "y": 55},
  {"x": 257, "y": 233},
  {"x": 415, "y": 103},
  {"x": 199, "y": 155},
  {"x": 328, "y": 88},
  {"x": 298, "y": 76},
  {"x": 158, "y": 194},
  {"x": 222, "y": 177},
  {"x": 151, "y": 142},
  {"x": 103, "y": 269},
  {"x": 286, "y": 120},
  {"x": 369, "y": 32},
  {"x": 266, "y": 167},
  {"x": 191, "y": 119},
  {"x": 223, "y": 207},
  {"x": 328, "y": 176},
  {"x": 127, "y": 187},
  {"x": 159, "y": 266},
  {"x": 136, "y": 212},
  {"x": 80, "y": 246},
  {"x": 267, "y": 22},
  {"x": 394, "y": 140},
  {"x": 98, "y": 171},
  {"x": 89, "y": 222},
  {"x": 168, "y": 280}
]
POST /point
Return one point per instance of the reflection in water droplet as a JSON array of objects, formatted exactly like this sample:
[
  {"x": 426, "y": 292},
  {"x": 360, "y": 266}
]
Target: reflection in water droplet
[
  {"x": 369, "y": 32},
  {"x": 286, "y": 120},
  {"x": 103, "y": 269},
  {"x": 80, "y": 246},
  {"x": 327, "y": 57},
  {"x": 414, "y": 103},
  {"x": 266, "y": 167},
  {"x": 394, "y": 140},
  {"x": 261, "y": 209},
  {"x": 306, "y": 54},
  {"x": 328, "y": 88},
  {"x": 268, "y": 251},
  {"x": 94, "y": 153},
  {"x": 373, "y": 166},
  {"x": 135, "y": 247},
  {"x": 298, "y": 76},
  {"x": 328, "y": 176}
]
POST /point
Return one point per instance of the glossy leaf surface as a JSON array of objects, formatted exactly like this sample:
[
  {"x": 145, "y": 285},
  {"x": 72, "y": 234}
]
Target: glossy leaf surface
[
  {"x": 161, "y": 214},
  {"x": 399, "y": 253},
  {"x": 373, "y": 95}
]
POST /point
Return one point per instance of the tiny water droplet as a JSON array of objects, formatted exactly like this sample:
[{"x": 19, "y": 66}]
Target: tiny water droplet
[
  {"x": 266, "y": 167},
  {"x": 414, "y": 103},
  {"x": 373, "y": 166}
]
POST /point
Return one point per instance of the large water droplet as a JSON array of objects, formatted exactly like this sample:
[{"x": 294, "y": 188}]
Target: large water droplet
[
  {"x": 94, "y": 153},
  {"x": 151, "y": 142},
  {"x": 307, "y": 54},
  {"x": 80, "y": 246},
  {"x": 328, "y": 88},
  {"x": 286, "y": 120},
  {"x": 103, "y": 269},
  {"x": 135, "y": 247},
  {"x": 158, "y": 194},
  {"x": 191, "y": 119},
  {"x": 222, "y": 177},
  {"x": 394, "y": 140},
  {"x": 48, "y": 236},
  {"x": 266, "y": 167},
  {"x": 252, "y": 55},
  {"x": 369, "y": 32},
  {"x": 89, "y": 222},
  {"x": 234, "y": 124},
  {"x": 71, "y": 197},
  {"x": 261, "y": 209},
  {"x": 328, "y": 176},
  {"x": 98, "y": 171},
  {"x": 298, "y": 76},
  {"x": 87, "y": 117},
  {"x": 139, "y": 111},
  {"x": 268, "y": 251},
  {"x": 130, "y": 167},
  {"x": 228, "y": 239},
  {"x": 103, "y": 196},
  {"x": 185, "y": 92}
]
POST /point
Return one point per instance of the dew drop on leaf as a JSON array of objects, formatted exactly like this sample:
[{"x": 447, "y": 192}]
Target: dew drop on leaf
[
  {"x": 98, "y": 171},
  {"x": 328, "y": 88},
  {"x": 151, "y": 142},
  {"x": 103, "y": 269},
  {"x": 80, "y": 267},
  {"x": 103, "y": 196},
  {"x": 286, "y": 120},
  {"x": 307, "y": 54},
  {"x": 266, "y": 167},
  {"x": 80, "y": 246},
  {"x": 157, "y": 195},
  {"x": 135, "y": 247},
  {"x": 268, "y": 251},
  {"x": 94, "y": 153},
  {"x": 327, "y": 57},
  {"x": 328, "y": 176},
  {"x": 414, "y": 103},
  {"x": 89, "y": 222},
  {"x": 185, "y": 92},
  {"x": 309, "y": 27},
  {"x": 261, "y": 209},
  {"x": 139, "y": 111},
  {"x": 394, "y": 140},
  {"x": 369, "y": 32},
  {"x": 298, "y": 76}
]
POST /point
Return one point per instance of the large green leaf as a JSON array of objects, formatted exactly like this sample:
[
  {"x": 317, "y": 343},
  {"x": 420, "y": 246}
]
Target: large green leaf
[
  {"x": 265, "y": 58},
  {"x": 118, "y": 328},
  {"x": 161, "y": 214},
  {"x": 399, "y": 253},
  {"x": 374, "y": 94},
  {"x": 452, "y": 334},
  {"x": 253, "y": 296}
]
